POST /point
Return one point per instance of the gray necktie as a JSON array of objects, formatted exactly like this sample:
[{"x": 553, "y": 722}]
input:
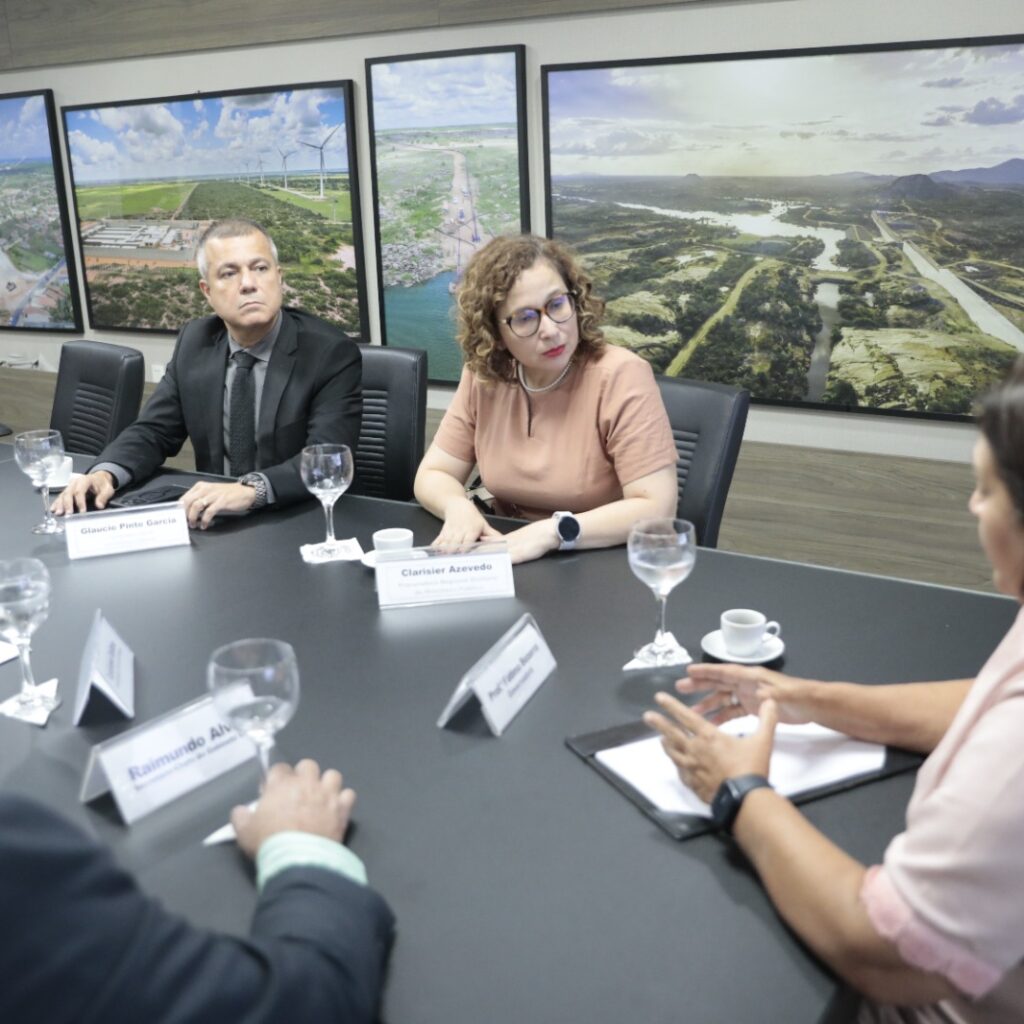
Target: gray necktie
[{"x": 242, "y": 419}]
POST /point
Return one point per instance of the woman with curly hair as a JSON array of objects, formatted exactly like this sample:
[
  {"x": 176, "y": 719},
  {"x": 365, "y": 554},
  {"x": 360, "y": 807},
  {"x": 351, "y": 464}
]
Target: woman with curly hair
[{"x": 567, "y": 431}]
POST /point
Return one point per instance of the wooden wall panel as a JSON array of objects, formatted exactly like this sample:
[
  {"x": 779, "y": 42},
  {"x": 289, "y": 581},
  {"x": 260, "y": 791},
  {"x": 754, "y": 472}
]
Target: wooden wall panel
[
  {"x": 43, "y": 32},
  {"x": 468, "y": 12},
  {"x": 46, "y": 32}
]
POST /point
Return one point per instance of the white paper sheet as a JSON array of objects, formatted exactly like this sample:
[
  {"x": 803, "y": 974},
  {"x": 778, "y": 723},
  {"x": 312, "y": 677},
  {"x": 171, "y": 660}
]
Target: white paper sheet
[
  {"x": 7, "y": 651},
  {"x": 804, "y": 757}
]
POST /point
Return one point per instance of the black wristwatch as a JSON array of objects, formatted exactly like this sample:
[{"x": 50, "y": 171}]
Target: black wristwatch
[
  {"x": 730, "y": 796},
  {"x": 567, "y": 526}
]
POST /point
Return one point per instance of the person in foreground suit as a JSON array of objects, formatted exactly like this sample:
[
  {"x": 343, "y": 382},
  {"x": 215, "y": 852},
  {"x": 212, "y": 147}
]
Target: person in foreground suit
[
  {"x": 935, "y": 933},
  {"x": 82, "y": 943},
  {"x": 251, "y": 386}
]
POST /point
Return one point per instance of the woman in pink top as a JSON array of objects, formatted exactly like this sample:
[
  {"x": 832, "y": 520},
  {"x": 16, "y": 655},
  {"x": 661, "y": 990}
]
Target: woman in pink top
[
  {"x": 566, "y": 431},
  {"x": 936, "y": 932}
]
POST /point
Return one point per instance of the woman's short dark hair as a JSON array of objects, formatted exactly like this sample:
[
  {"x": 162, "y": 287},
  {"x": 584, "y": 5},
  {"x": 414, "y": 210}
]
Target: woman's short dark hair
[
  {"x": 1001, "y": 419},
  {"x": 490, "y": 276}
]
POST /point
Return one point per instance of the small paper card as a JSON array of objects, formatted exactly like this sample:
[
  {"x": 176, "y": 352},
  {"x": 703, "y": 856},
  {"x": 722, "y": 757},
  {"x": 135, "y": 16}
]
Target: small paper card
[
  {"x": 428, "y": 576},
  {"x": 11, "y": 708},
  {"x": 349, "y": 550},
  {"x": 7, "y": 651},
  {"x": 114, "y": 531},
  {"x": 506, "y": 677},
  {"x": 108, "y": 668},
  {"x": 161, "y": 760}
]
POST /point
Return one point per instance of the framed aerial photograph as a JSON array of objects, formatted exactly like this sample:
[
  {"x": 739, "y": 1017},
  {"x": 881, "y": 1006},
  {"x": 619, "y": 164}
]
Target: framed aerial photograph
[
  {"x": 837, "y": 228},
  {"x": 150, "y": 175},
  {"x": 448, "y": 135},
  {"x": 38, "y": 290}
]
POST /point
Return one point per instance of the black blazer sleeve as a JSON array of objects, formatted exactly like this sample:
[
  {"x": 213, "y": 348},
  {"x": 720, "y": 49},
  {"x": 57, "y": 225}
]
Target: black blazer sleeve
[
  {"x": 81, "y": 944},
  {"x": 320, "y": 403},
  {"x": 160, "y": 429}
]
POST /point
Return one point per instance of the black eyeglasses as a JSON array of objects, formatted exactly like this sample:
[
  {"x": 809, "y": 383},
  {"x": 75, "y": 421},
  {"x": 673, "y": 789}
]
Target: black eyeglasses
[{"x": 525, "y": 322}]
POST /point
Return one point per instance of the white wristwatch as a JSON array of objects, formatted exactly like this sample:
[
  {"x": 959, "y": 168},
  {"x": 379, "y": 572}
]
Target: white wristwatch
[{"x": 567, "y": 526}]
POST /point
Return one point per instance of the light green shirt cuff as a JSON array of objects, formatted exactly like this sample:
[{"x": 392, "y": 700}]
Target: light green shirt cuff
[{"x": 285, "y": 850}]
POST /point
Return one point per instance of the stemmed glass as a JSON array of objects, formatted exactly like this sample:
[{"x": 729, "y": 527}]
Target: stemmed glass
[
  {"x": 661, "y": 554},
  {"x": 40, "y": 456},
  {"x": 327, "y": 471},
  {"x": 24, "y": 604},
  {"x": 255, "y": 686}
]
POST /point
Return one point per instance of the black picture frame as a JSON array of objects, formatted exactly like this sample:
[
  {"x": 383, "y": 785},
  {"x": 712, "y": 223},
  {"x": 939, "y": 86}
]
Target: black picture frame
[
  {"x": 176, "y": 176},
  {"x": 38, "y": 280},
  {"x": 908, "y": 347},
  {"x": 418, "y": 312}
]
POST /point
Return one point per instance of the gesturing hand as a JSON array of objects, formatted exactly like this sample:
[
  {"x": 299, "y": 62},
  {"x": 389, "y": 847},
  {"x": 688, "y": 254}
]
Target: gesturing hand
[
  {"x": 738, "y": 691},
  {"x": 705, "y": 756}
]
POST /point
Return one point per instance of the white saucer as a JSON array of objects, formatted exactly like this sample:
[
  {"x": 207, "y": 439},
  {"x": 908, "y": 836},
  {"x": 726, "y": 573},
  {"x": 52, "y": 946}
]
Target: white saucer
[{"x": 771, "y": 649}]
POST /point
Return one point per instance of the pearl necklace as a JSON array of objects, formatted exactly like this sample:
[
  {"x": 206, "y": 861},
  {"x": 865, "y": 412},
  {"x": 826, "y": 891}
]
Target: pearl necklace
[{"x": 547, "y": 387}]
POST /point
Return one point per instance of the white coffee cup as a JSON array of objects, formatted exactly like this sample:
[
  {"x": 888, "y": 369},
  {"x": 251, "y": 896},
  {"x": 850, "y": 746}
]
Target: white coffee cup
[
  {"x": 393, "y": 539},
  {"x": 745, "y": 630}
]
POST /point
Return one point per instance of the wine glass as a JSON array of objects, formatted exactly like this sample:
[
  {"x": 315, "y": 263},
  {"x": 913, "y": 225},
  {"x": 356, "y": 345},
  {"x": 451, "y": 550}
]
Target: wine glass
[
  {"x": 24, "y": 604},
  {"x": 661, "y": 554},
  {"x": 40, "y": 456},
  {"x": 255, "y": 686},
  {"x": 327, "y": 471}
]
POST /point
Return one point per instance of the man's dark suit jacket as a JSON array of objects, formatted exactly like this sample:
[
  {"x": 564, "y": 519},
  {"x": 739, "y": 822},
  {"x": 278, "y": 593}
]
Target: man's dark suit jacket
[
  {"x": 80, "y": 944},
  {"x": 312, "y": 394}
]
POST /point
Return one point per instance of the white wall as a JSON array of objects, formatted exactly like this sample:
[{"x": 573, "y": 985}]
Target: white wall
[{"x": 714, "y": 27}]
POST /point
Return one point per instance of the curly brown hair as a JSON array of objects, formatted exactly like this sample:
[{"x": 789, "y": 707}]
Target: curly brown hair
[{"x": 490, "y": 276}]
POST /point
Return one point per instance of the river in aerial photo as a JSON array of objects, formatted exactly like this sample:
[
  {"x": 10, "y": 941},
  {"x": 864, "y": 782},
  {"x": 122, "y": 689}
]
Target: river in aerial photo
[
  {"x": 423, "y": 316},
  {"x": 985, "y": 316}
]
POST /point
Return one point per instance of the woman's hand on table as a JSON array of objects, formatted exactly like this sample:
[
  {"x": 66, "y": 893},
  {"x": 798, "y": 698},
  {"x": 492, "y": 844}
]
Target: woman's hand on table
[
  {"x": 463, "y": 525},
  {"x": 703, "y": 754},
  {"x": 737, "y": 691},
  {"x": 532, "y": 541}
]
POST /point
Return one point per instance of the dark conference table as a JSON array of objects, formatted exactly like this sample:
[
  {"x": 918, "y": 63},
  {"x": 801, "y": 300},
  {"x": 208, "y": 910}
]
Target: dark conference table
[{"x": 526, "y": 888}]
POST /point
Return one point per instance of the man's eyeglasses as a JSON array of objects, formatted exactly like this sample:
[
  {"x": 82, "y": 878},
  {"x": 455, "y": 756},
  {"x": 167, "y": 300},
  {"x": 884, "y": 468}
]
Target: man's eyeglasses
[{"x": 525, "y": 322}]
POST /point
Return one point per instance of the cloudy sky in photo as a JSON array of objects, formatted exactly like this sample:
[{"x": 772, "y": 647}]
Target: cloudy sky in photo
[
  {"x": 23, "y": 132},
  {"x": 445, "y": 91},
  {"x": 208, "y": 136},
  {"x": 899, "y": 112}
]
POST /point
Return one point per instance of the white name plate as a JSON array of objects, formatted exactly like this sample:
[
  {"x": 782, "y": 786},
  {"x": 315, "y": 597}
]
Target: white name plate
[
  {"x": 506, "y": 677},
  {"x": 119, "y": 530},
  {"x": 427, "y": 576},
  {"x": 155, "y": 763},
  {"x": 108, "y": 668}
]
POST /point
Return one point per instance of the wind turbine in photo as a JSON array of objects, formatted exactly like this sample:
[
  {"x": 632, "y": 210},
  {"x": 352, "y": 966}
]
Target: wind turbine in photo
[
  {"x": 284, "y": 162},
  {"x": 321, "y": 148}
]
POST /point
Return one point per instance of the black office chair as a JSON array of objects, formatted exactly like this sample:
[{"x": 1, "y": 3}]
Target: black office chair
[
  {"x": 707, "y": 425},
  {"x": 99, "y": 391},
  {"x": 394, "y": 417}
]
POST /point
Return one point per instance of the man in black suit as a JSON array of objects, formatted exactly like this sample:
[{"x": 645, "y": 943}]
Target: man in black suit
[
  {"x": 250, "y": 386},
  {"x": 82, "y": 943}
]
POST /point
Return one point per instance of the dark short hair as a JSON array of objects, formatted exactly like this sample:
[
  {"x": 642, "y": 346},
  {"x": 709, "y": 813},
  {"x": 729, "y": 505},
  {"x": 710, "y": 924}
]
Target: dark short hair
[
  {"x": 233, "y": 227},
  {"x": 1000, "y": 416},
  {"x": 490, "y": 276}
]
